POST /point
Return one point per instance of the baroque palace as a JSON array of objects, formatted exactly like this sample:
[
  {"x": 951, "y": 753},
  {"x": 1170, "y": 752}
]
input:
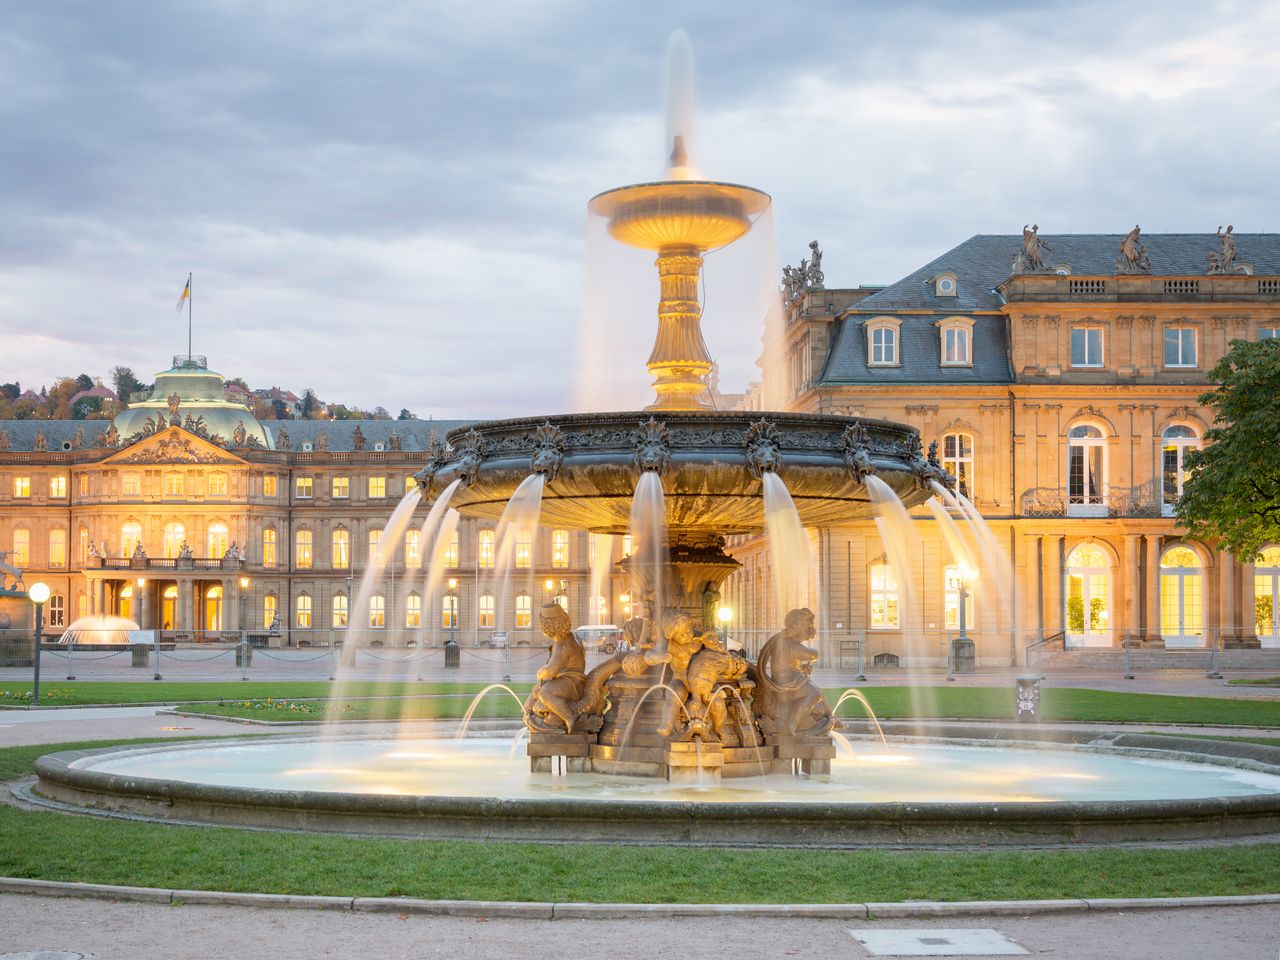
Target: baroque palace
[{"x": 1058, "y": 376}]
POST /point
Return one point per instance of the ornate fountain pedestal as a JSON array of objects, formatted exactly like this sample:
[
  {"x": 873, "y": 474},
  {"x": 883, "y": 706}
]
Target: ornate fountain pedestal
[
  {"x": 574, "y": 747},
  {"x": 806, "y": 754}
]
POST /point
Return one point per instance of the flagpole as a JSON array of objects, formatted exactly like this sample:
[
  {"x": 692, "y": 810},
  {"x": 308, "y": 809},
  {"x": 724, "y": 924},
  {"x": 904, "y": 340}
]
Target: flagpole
[{"x": 190, "y": 295}]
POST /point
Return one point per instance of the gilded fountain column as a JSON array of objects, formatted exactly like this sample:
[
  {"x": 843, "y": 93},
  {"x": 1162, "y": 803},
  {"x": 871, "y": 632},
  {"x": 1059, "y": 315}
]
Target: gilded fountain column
[{"x": 679, "y": 361}]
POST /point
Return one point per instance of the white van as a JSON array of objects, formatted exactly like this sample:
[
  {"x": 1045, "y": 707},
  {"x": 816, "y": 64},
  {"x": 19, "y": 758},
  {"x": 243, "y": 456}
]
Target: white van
[{"x": 604, "y": 637}]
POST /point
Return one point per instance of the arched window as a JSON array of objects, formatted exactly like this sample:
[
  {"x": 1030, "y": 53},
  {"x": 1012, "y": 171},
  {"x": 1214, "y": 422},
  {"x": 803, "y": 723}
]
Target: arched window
[
  {"x": 952, "y": 581},
  {"x": 124, "y": 601},
  {"x": 217, "y": 540},
  {"x": 270, "y": 610},
  {"x": 524, "y": 611},
  {"x": 1175, "y": 443},
  {"x": 302, "y": 549},
  {"x": 130, "y": 537},
  {"x": 956, "y": 344},
  {"x": 175, "y": 535},
  {"x": 884, "y": 597},
  {"x": 340, "y": 549},
  {"x": 375, "y": 545},
  {"x": 377, "y": 611},
  {"x": 1181, "y": 597},
  {"x": 524, "y": 548},
  {"x": 1086, "y": 472},
  {"x": 1088, "y": 596},
  {"x": 1266, "y": 596},
  {"x": 213, "y": 608},
  {"x": 449, "y": 611},
  {"x": 341, "y": 611},
  {"x": 412, "y": 549},
  {"x": 302, "y": 606},
  {"x": 269, "y": 547},
  {"x": 169, "y": 607},
  {"x": 882, "y": 342},
  {"x": 486, "y": 610},
  {"x": 451, "y": 550},
  {"x": 957, "y": 460},
  {"x": 21, "y": 556},
  {"x": 484, "y": 551},
  {"x": 413, "y": 610},
  {"x": 559, "y": 548}
]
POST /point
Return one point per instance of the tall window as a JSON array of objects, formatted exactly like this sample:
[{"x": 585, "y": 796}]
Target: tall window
[
  {"x": 57, "y": 547},
  {"x": 524, "y": 548},
  {"x": 175, "y": 535},
  {"x": 1179, "y": 346},
  {"x": 270, "y": 610},
  {"x": 451, "y": 550},
  {"x": 957, "y": 460},
  {"x": 375, "y": 545},
  {"x": 524, "y": 611},
  {"x": 377, "y": 488},
  {"x": 341, "y": 488},
  {"x": 340, "y": 549},
  {"x": 303, "y": 488},
  {"x": 377, "y": 611},
  {"x": 484, "y": 548},
  {"x": 413, "y": 610},
  {"x": 409, "y": 484},
  {"x": 1181, "y": 598},
  {"x": 57, "y": 610},
  {"x": 22, "y": 487},
  {"x": 340, "y": 611},
  {"x": 82, "y": 485},
  {"x": 21, "y": 556},
  {"x": 173, "y": 484},
  {"x": 1086, "y": 471},
  {"x": 449, "y": 611},
  {"x": 302, "y": 549},
  {"x": 486, "y": 610},
  {"x": 1266, "y": 596},
  {"x": 269, "y": 485},
  {"x": 217, "y": 539},
  {"x": 955, "y": 347},
  {"x": 130, "y": 537},
  {"x": 1088, "y": 598},
  {"x": 1086, "y": 346},
  {"x": 131, "y": 485},
  {"x": 559, "y": 548},
  {"x": 884, "y": 346},
  {"x": 1175, "y": 443},
  {"x": 124, "y": 601},
  {"x": 884, "y": 597},
  {"x": 213, "y": 608},
  {"x": 302, "y": 606},
  {"x": 82, "y": 547},
  {"x": 217, "y": 485},
  {"x": 169, "y": 607},
  {"x": 57, "y": 487},
  {"x": 413, "y": 549},
  {"x": 269, "y": 547},
  {"x": 626, "y": 546}
]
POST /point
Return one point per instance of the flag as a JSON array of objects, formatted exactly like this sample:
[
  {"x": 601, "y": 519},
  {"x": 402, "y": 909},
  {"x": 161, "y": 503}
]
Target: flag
[{"x": 186, "y": 295}]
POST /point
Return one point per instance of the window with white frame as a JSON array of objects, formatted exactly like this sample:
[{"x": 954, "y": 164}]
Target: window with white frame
[
  {"x": 21, "y": 555},
  {"x": 130, "y": 537},
  {"x": 131, "y": 485},
  {"x": 56, "y": 610},
  {"x": 957, "y": 341},
  {"x": 1086, "y": 346},
  {"x": 217, "y": 484},
  {"x": 302, "y": 545},
  {"x": 270, "y": 610},
  {"x": 486, "y": 610},
  {"x": 524, "y": 611},
  {"x": 375, "y": 545},
  {"x": 269, "y": 547},
  {"x": 340, "y": 549},
  {"x": 484, "y": 548},
  {"x": 269, "y": 486},
  {"x": 882, "y": 343},
  {"x": 57, "y": 547},
  {"x": 302, "y": 608},
  {"x": 1268, "y": 333},
  {"x": 884, "y": 597},
  {"x": 559, "y": 548},
  {"x": 175, "y": 535},
  {"x": 377, "y": 611},
  {"x": 173, "y": 484},
  {"x": 57, "y": 488},
  {"x": 377, "y": 488},
  {"x": 412, "y": 549},
  {"x": 451, "y": 550},
  {"x": 341, "y": 611},
  {"x": 1179, "y": 346},
  {"x": 22, "y": 488},
  {"x": 957, "y": 460},
  {"x": 524, "y": 548},
  {"x": 1174, "y": 444},
  {"x": 340, "y": 488},
  {"x": 413, "y": 610},
  {"x": 1086, "y": 467},
  {"x": 217, "y": 540},
  {"x": 303, "y": 488}
]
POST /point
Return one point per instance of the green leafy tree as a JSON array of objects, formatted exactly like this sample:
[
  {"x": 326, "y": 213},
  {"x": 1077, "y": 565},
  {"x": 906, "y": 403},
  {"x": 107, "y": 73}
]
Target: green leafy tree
[
  {"x": 124, "y": 383},
  {"x": 84, "y": 382},
  {"x": 407, "y": 414},
  {"x": 1232, "y": 492}
]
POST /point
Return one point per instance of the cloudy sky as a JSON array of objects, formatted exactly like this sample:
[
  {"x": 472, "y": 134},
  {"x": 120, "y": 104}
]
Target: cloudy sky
[{"x": 386, "y": 201}]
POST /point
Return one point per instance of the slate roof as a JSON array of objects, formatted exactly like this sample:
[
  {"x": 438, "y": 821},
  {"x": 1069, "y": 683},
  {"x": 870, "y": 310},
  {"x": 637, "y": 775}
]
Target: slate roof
[
  {"x": 22, "y": 433},
  {"x": 920, "y": 353},
  {"x": 414, "y": 434}
]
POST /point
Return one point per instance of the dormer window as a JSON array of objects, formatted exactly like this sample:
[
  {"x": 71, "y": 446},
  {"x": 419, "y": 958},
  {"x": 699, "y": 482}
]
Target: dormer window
[
  {"x": 882, "y": 342},
  {"x": 956, "y": 345},
  {"x": 944, "y": 285}
]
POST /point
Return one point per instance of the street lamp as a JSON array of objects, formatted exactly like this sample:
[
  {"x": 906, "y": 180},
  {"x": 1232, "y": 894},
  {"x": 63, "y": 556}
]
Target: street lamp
[
  {"x": 244, "y": 628},
  {"x": 453, "y": 610},
  {"x": 723, "y": 615},
  {"x": 39, "y": 595},
  {"x": 963, "y": 651}
]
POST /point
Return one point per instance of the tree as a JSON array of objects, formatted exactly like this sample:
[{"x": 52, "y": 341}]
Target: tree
[
  {"x": 84, "y": 382},
  {"x": 10, "y": 391},
  {"x": 125, "y": 383},
  {"x": 406, "y": 414},
  {"x": 1232, "y": 491},
  {"x": 310, "y": 404},
  {"x": 85, "y": 407}
]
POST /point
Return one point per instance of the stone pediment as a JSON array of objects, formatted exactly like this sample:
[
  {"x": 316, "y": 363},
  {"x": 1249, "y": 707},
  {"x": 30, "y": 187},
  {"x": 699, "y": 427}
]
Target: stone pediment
[{"x": 174, "y": 445}]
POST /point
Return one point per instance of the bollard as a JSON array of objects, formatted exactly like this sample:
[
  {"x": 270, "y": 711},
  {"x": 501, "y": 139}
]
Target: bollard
[
  {"x": 141, "y": 653},
  {"x": 1028, "y": 697},
  {"x": 452, "y": 655},
  {"x": 244, "y": 658}
]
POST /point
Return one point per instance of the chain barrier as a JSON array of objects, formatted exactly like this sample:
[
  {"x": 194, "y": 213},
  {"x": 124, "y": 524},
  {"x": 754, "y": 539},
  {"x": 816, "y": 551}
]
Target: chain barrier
[
  {"x": 413, "y": 657},
  {"x": 268, "y": 656},
  {"x": 172, "y": 655},
  {"x": 83, "y": 658}
]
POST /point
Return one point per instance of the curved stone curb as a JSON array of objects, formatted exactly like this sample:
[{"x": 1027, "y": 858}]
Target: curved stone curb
[{"x": 522, "y": 910}]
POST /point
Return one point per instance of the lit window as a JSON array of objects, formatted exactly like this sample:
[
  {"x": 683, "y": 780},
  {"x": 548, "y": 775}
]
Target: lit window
[
  {"x": 602, "y": 610},
  {"x": 559, "y": 548},
  {"x": 269, "y": 547},
  {"x": 955, "y": 347},
  {"x": 951, "y": 602},
  {"x": 339, "y": 611},
  {"x": 218, "y": 485},
  {"x": 413, "y": 610},
  {"x": 524, "y": 611},
  {"x": 124, "y": 601},
  {"x": 82, "y": 484},
  {"x": 341, "y": 488},
  {"x": 1086, "y": 346},
  {"x": 562, "y": 599},
  {"x": 884, "y": 597},
  {"x": 412, "y": 549},
  {"x": 524, "y": 548},
  {"x": 217, "y": 540},
  {"x": 1179, "y": 346},
  {"x": 303, "y": 607},
  {"x": 626, "y": 546},
  {"x": 169, "y": 606},
  {"x": 1268, "y": 333},
  {"x": 130, "y": 537},
  {"x": 270, "y": 610},
  {"x": 21, "y": 555},
  {"x": 173, "y": 484},
  {"x": 302, "y": 487},
  {"x": 377, "y": 611},
  {"x": 341, "y": 550},
  {"x": 57, "y": 548},
  {"x": 175, "y": 534},
  {"x": 302, "y": 550},
  {"x": 213, "y": 608},
  {"x": 82, "y": 605},
  {"x": 83, "y": 548},
  {"x": 1181, "y": 597},
  {"x": 1086, "y": 469},
  {"x": 449, "y": 612},
  {"x": 377, "y": 488},
  {"x": 486, "y": 610},
  {"x": 409, "y": 484},
  {"x": 451, "y": 550},
  {"x": 57, "y": 487},
  {"x": 957, "y": 460},
  {"x": 1088, "y": 595},
  {"x": 56, "y": 610},
  {"x": 1177, "y": 440},
  {"x": 375, "y": 545},
  {"x": 131, "y": 485},
  {"x": 269, "y": 486},
  {"x": 22, "y": 487},
  {"x": 884, "y": 346},
  {"x": 484, "y": 542}
]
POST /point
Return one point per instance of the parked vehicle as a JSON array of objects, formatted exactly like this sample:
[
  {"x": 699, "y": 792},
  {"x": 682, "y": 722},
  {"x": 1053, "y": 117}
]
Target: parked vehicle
[{"x": 604, "y": 637}]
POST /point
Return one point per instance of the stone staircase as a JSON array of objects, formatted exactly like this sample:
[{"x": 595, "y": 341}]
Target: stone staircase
[{"x": 1147, "y": 659}]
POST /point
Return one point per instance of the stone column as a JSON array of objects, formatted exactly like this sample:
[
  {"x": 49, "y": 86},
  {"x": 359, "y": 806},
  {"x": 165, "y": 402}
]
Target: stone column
[
  {"x": 1052, "y": 547},
  {"x": 1228, "y": 628},
  {"x": 99, "y": 596},
  {"x": 1131, "y": 586},
  {"x": 183, "y": 616},
  {"x": 1151, "y": 631},
  {"x": 1033, "y": 586},
  {"x": 141, "y": 596},
  {"x": 1248, "y": 615}
]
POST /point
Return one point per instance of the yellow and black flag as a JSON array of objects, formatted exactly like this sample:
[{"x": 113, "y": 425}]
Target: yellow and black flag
[{"x": 186, "y": 294}]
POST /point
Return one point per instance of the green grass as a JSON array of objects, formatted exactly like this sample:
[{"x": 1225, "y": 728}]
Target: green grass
[
  {"x": 1264, "y": 741},
  {"x": 1256, "y": 682},
  {"x": 442, "y": 706},
  {"x": 86, "y": 693},
  {"x": 53, "y": 846}
]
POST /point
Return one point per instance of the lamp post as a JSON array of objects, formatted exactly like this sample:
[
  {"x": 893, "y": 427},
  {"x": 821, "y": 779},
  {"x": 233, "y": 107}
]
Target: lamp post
[
  {"x": 39, "y": 594},
  {"x": 452, "y": 655},
  {"x": 244, "y": 628},
  {"x": 963, "y": 651},
  {"x": 723, "y": 615}
]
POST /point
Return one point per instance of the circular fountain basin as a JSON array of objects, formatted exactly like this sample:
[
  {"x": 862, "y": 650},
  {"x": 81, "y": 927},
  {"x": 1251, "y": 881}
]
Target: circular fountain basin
[
  {"x": 708, "y": 485},
  {"x": 905, "y": 793}
]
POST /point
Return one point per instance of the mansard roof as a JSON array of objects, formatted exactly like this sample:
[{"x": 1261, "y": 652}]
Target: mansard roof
[
  {"x": 340, "y": 434},
  {"x": 22, "y": 433},
  {"x": 919, "y": 352}
]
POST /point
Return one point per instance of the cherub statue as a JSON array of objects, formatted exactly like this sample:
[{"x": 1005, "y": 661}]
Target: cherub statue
[
  {"x": 184, "y": 551},
  {"x": 233, "y": 552},
  {"x": 786, "y": 699},
  {"x": 565, "y": 696},
  {"x": 698, "y": 662}
]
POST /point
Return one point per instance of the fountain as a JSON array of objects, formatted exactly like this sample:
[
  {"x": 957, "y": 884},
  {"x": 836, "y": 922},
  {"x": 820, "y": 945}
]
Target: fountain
[{"x": 676, "y": 738}]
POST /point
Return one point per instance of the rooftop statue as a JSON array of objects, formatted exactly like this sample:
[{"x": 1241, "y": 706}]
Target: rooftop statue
[
  {"x": 1133, "y": 254},
  {"x": 357, "y": 438},
  {"x": 174, "y": 402},
  {"x": 239, "y": 435},
  {"x": 807, "y": 276},
  {"x": 1029, "y": 259},
  {"x": 4, "y": 439}
]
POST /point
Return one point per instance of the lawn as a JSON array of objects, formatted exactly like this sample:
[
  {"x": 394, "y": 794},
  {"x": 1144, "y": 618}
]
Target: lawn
[
  {"x": 63, "y": 694},
  {"x": 53, "y": 846}
]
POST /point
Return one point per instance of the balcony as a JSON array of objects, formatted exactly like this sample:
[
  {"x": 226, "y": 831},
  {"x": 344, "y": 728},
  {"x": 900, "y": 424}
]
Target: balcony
[
  {"x": 1140, "y": 502},
  {"x": 1124, "y": 288},
  {"x": 163, "y": 563}
]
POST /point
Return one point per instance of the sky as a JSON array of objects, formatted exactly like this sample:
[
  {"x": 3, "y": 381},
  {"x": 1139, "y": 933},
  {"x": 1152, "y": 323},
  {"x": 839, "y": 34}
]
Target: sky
[{"x": 386, "y": 202}]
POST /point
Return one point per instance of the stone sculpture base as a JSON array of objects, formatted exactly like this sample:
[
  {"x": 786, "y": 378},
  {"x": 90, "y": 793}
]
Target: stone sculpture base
[
  {"x": 694, "y": 762},
  {"x": 545, "y": 747},
  {"x": 799, "y": 753}
]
